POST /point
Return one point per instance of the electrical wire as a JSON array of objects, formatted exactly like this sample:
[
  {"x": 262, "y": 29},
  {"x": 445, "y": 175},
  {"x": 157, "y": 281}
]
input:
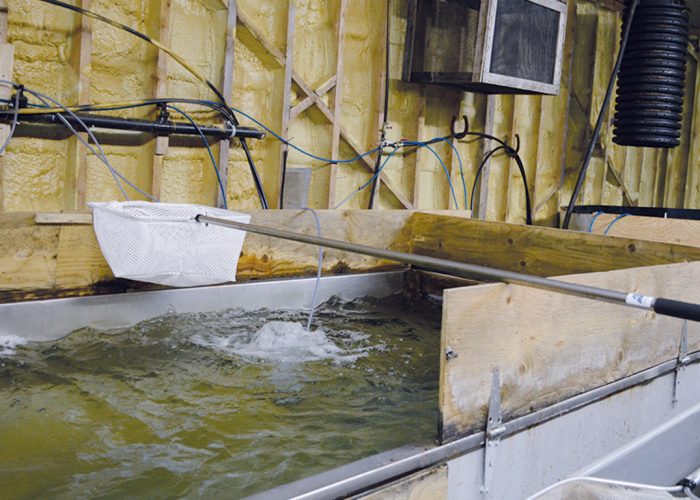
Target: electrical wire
[
  {"x": 387, "y": 81},
  {"x": 609, "y": 482},
  {"x": 188, "y": 67},
  {"x": 314, "y": 299},
  {"x": 479, "y": 170},
  {"x": 369, "y": 182},
  {"x": 444, "y": 167},
  {"x": 15, "y": 118},
  {"x": 595, "y": 217},
  {"x": 615, "y": 220},
  {"x": 213, "y": 105},
  {"x": 45, "y": 99},
  {"x": 211, "y": 154},
  {"x": 601, "y": 116},
  {"x": 461, "y": 168}
]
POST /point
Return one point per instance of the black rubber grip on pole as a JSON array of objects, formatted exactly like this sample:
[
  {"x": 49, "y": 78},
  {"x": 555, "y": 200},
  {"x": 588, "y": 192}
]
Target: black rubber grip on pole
[{"x": 677, "y": 309}]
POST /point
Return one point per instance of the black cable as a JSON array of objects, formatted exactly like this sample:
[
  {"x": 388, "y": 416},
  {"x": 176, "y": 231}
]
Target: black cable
[
  {"x": 480, "y": 169},
  {"x": 284, "y": 176},
  {"x": 512, "y": 153},
  {"x": 387, "y": 78},
  {"x": 601, "y": 117},
  {"x": 212, "y": 87},
  {"x": 211, "y": 154}
]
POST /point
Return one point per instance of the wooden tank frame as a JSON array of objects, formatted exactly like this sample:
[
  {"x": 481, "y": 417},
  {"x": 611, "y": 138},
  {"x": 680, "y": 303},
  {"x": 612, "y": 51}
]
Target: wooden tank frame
[{"x": 549, "y": 349}]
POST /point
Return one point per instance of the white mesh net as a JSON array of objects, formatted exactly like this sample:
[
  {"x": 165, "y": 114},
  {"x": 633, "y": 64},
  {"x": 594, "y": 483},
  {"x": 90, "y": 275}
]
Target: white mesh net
[
  {"x": 162, "y": 243},
  {"x": 588, "y": 490}
]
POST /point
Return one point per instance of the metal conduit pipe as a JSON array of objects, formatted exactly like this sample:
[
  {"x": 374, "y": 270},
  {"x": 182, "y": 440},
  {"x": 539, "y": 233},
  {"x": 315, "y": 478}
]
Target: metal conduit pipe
[
  {"x": 133, "y": 125},
  {"x": 651, "y": 82}
]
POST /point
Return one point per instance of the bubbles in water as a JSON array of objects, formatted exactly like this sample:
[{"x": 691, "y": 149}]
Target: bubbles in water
[
  {"x": 283, "y": 342},
  {"x": 9, "y": 343}
]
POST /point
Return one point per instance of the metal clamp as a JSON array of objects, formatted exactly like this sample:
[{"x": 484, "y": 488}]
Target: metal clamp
[
  {"x": 494, "y": 430},
  {"x": 681, "y": 362}
]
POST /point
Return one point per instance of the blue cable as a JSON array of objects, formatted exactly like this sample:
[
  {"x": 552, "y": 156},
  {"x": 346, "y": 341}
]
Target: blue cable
[
  {"x": 461, "y": 169},
  {"x": 369, "y": 182},
  {"x": 444, "y": 167},
  {"x": 211, "y": 154},
  {"x": 595, "y": 217},
  {"x": 619, "y": 217},
  {"x": 297, "y": 148}
]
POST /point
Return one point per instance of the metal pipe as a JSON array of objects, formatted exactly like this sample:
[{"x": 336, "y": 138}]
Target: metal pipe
[
  {"x": 153, "y": 127},
  {"x": 666, "y": 307}
]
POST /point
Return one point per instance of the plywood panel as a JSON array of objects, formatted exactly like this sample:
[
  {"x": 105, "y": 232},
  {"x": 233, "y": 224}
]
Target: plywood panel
[{"x": 548, "y": 346}]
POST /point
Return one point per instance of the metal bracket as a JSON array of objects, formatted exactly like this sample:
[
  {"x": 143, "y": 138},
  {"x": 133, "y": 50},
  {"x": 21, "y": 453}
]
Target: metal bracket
[
  {"x": 494, "y": 431},
  {"x": 682, "y": 361}
]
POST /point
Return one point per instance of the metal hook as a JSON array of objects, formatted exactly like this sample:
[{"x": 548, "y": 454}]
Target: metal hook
[
  {"x": 512, "y": 152},
  {"x": 463, "y": 134}
]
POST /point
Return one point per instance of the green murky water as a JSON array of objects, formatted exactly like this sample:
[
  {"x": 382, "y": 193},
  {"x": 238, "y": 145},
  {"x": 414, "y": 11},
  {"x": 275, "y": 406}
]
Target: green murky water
[{"x": 216, "y": 405}]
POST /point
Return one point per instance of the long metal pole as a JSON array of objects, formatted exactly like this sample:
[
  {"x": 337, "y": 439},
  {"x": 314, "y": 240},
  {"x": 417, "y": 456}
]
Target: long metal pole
[{"x": 666, "y": 307}]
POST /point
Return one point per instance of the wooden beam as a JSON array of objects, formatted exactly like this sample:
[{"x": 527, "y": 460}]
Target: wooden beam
[
  {"x": 692, "y": 183},
  {"x": 60, "y": 218},
  {"x": 335, "y": 138},
  {"x": 280, "y": 58},
  {"x": 227, "y": 89},
  {"x": 420, "y": 156},
  {"x": 75, "y": 190},
  {"x": 287, "y": 94},
  {"x": 550, "y": 347},
  {"x": 383, "y": 83},
  {"x": 537, "y": 251},
  {"x": 308, "y": 101},
  {"x": 45, "y": 254},
  {"x": 6, "y": 73},
  {"x": 486, "y": 172},
  {"x": 163, "y": 142}
]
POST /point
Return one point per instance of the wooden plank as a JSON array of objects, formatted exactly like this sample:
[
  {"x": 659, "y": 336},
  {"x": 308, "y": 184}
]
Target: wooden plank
[
  {"x": 3, "y": 21},
  {"x": 27, "y": 252},
  {"x": 60, "y": 218},
  {"x": 33, "y": 262},
  {"x": 526, "y": 125},
  {"x": 553, "y": 137},
  {"x": 488, "y": 145},
  {"x": 354, "y": 145},
  {"x": 579, "y": 124},
  {"x": 287, "y": 93},
  {"x": 227, "y": 89},
  {"x": 6, "y": 73},
  {"x": 383, "y": 84},
  {"x": 308, "y": 101},
  {"x": 7, "y": 60},
  {"x": 678, "y": 163},
  {"x": 548, "y": 346},
  {"x": 162, "y": 143},
  {"x": 692, "y": 183},
  {"x": 421, "y": 153},
  {"x": 75, "y": 191},
  {"x": 425, "y": 485},
  {"x": 306, "y": 89},
  {"x": 676, "y": 231},
  {"x": 335, "y": 139},
  {"x": 536, "y": 250}
]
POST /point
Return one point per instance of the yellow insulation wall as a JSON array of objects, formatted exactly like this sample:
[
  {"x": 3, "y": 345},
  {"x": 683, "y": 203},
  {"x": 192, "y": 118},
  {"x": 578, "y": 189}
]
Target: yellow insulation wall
[{"x": 100, "y": 64}]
